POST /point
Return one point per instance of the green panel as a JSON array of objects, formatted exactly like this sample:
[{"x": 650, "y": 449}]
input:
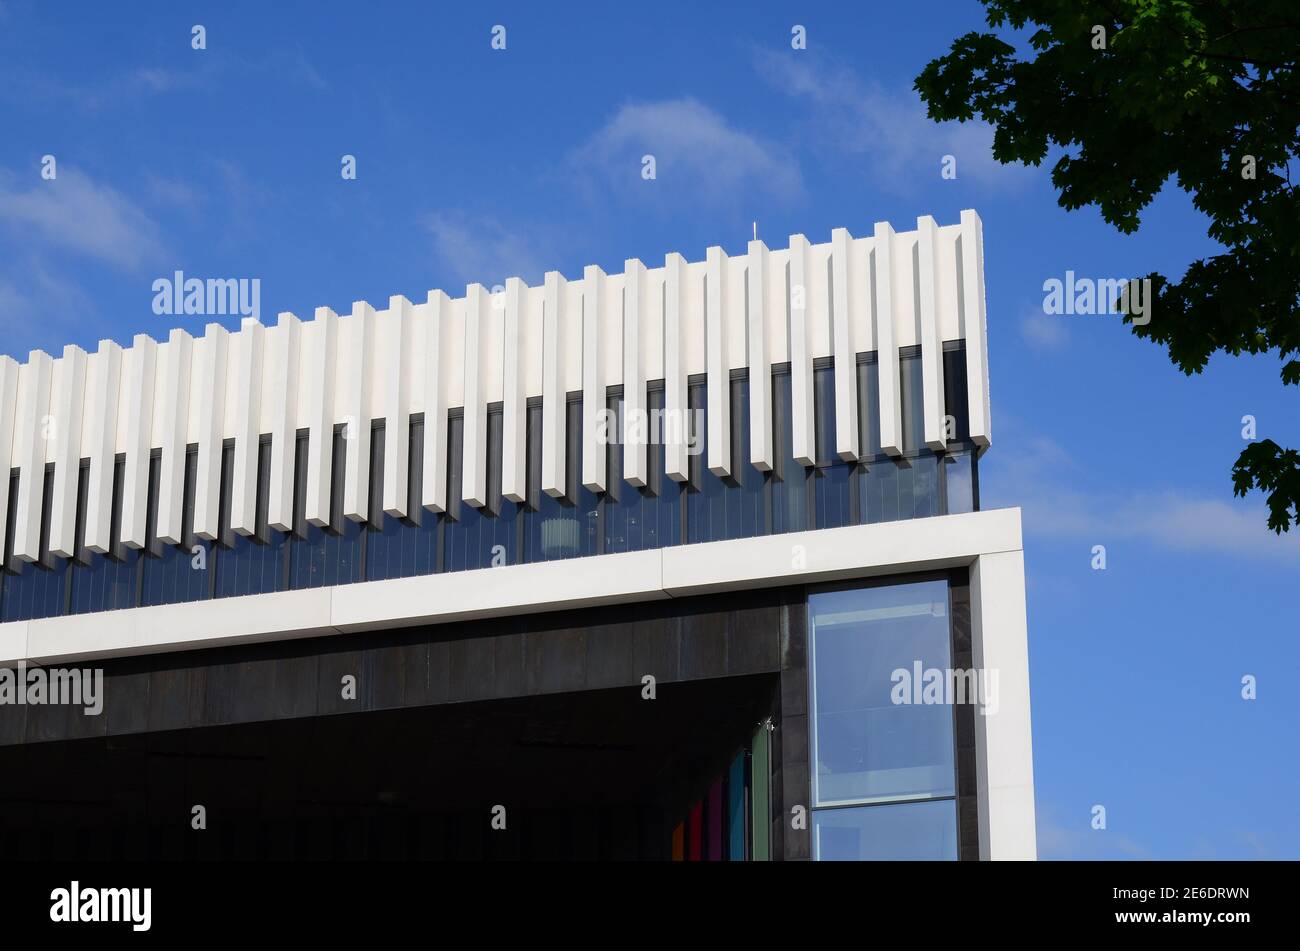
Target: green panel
[{"x": 760, "y": 796}]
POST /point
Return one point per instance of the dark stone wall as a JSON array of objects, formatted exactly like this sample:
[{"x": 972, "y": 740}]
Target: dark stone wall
[{"x": 675, "y": 641}]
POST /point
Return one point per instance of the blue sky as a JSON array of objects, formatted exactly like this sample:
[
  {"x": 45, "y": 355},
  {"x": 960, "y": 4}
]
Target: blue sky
[{"x": 475, "y": 164}]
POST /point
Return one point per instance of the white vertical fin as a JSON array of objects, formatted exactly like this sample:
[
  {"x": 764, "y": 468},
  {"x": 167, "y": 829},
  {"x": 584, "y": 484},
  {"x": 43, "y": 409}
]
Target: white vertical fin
[
  {"x": 142, "y": 369},
  {"x": 212, "y": 417},
  {"x": 320, "y": 415},
  {"x": 8, "y": 409},
  {"x": 719, "y": 370},
  {"x": 760, "y": 361},
  {"x": 433, "y": 493},
  {"x": 33, "y": 428},
  {"x": 891, "y": 425},
  {"x": 514, "y": 411},
  {"x": 250, "y": 344},
  {"x": 975, "y": 327},
  {"x": 283, "y": 386},
  {"x": 67, "y": 403},
  {"x": 554, "y": 396},
  {"x": 635, "y": 424},
  {"x": 931, "y": 340},
  {"x": 102, "y": 391},
  {"x": 802, "y": 404},
  {"x": 846, "y": 357},
  {"x": 175, "y": 412},
  {"x": 676, "y": 411},
  {"x": 396, "y": 373},
  {"x": 474, "y": 480},
  {"x": 356, "y": 391},
  {"x": 593, "y": 379}
]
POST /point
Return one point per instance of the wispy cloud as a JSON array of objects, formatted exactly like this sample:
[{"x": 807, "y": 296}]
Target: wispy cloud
[
  {"x": 123, "y": 87},
  {"x": 1078, "y": 840},
  {"x": 1057, "y": 500},
  {"x": 700, "y": 158},
  {"x": 852, "y": 117},
  {"x": 485, "y": 251},
  {"x": 40, "y": 308},
  {"x": 1044, "y": 332},
  {"x": 211, "y": 70},
  {"x": 172, "y": 193},
  {"x": 72, "y": 212}
]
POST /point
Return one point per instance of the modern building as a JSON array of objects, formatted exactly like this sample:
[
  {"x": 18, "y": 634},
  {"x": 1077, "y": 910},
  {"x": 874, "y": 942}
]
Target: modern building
[{"x": 679, "y": 562}]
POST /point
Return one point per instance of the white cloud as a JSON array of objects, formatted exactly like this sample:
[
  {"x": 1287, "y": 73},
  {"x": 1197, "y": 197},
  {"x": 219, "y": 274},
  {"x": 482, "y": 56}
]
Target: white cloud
[
  {"x": 889, "y": 128},
  {"x": 172, "y": 192},
  {"x": 213, "y": 69},
  {"x": 1077, "y": 840},
  {"x": 1057, "y": 501},
  {"x": 41, "y": 308},
  {"x": 74, "y": 213},
  {"x": 1046, "y": 332},
  {"x": 700, "y": 158},
  {"x": 484, "y": 251}
]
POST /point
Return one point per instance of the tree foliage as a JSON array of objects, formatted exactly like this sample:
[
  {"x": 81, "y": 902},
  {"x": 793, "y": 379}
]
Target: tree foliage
[{"x": 1131, "y": 93}]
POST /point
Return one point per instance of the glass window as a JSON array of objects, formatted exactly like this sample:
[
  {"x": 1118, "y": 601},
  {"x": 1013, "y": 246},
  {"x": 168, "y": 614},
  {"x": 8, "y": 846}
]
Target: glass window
[
  {"x": 869, "y": 407},
  {"x": 400, "y": 547},
  {"x": 324, "y": 556},
  {"x": 906, "y": 831},
  {"x": 478, "y": 537},
  {"x": 105, "y": 582},
  {"x": 252, "y": 564},
  {"x": 906, "y": 487},
  {"x": 566, "y": 527},
  {"x": 832, "y": 486},
  {"x": 912, "y": 410},
  {"x": 35, "y": 589},
  {"x": 954, "y": 390},
  {"x": 878, "y": 735},
  {"x": 171, "y": 572},
  {"x": 789, "y": 479},
  {"x": 884, "y": 772},
  {"x": 638, "y": 518},
  {"x": 723, "y": 507},
  {"x": 961, "y": 482}
]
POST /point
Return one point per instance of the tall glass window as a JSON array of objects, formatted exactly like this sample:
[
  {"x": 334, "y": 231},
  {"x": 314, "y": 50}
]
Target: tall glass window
[
  {"x": 832, "y": 488},
  {"x": 478, "y": 537},
  {"x": 882, "y": 732},
  {"x": 108, "y": 581},
  {"x": 638, "y": 518},
  {"x": 895, "y": 487},
  {"x": 321, "y": 556},
  {"x": 731, "y": 506},
  {"x": 788, "y": 478},
  {"x": 252, "y": 564},
  {"x": 565, "y": 527},
  {"x": 35, "y": 589},
  {"x": 175, "y": 573},
  {"x": 400, "y": 547},
  {"x": 960, "y": 468}
]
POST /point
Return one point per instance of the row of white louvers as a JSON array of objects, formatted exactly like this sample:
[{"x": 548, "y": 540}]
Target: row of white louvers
[{"x": 877, "y": 293}]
